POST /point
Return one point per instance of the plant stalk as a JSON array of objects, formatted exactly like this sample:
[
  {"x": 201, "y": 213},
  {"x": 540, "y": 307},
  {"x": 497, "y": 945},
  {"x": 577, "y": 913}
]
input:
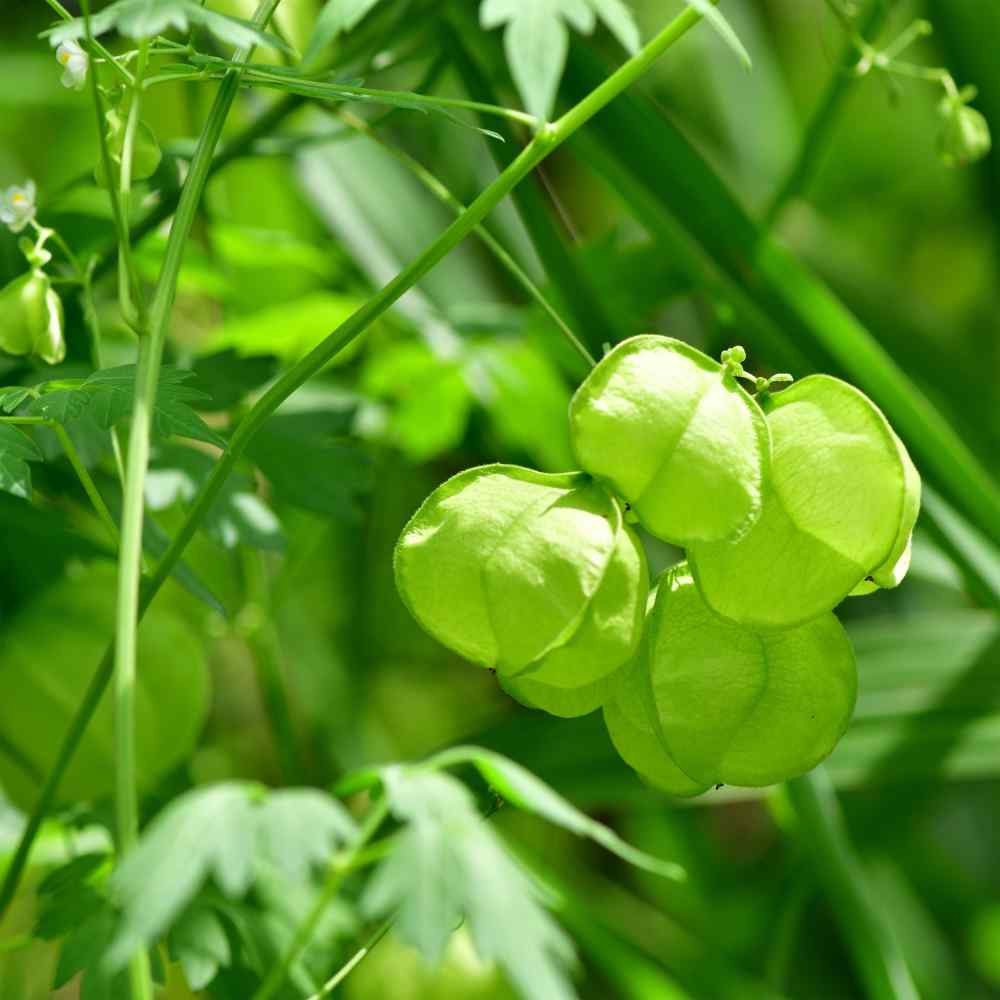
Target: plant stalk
[
  {"x": 130, "y": 555},
  {"x": 87, "y": 482}
]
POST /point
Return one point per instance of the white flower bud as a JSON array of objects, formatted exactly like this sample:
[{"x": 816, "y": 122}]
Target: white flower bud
[
  {"x": 17, "y": 206},
  {"x": 74, "y": 62}
]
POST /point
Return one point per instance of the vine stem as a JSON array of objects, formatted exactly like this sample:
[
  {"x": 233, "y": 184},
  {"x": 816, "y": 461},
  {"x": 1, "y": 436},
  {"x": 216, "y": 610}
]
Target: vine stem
[
  {"x": 354, "y": 961},
  {"x": 444, "y": 194},
  {"x": 86, "y": 481},
  {"x": 130, "y": 552},
  {"x": 127, "y": 281},
  {"x": 342, "y": 91},
  {"x": 547, "y": 140},
  {"x": 877, "y": 955}
]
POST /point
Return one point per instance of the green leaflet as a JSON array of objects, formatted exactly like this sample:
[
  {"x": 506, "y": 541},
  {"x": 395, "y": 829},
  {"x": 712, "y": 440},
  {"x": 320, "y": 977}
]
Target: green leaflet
[
  {"x": 841, "y": 502},
  {"x": 536, "y": 40},
  {"x": 16, "y": 451},
  {"x": 234, "y": 833},
  {"x": 741, "y": 707},
  {"x": 449, "y": 867},
  {"x": 671, "y": 432},
  {"x": 507, "y": 566},
  {"x": 108, "y": 396},
  {"x": 336, "y": 16}
]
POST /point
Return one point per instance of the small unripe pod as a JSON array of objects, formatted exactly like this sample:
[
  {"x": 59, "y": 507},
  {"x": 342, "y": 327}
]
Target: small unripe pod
[
  {"x": 965, "y": 137},
  {"x": 31, "y": 318}
]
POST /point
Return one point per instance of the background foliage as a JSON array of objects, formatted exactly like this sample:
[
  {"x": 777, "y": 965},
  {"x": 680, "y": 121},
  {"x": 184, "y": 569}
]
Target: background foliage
[{"x": 651, "y": 219}]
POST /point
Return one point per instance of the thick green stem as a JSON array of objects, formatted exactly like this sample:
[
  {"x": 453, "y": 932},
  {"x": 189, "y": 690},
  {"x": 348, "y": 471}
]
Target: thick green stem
[
  {"x": 876, "y": 952},
  {"x": 542, "y": 145},
  {"x": 130, "y": 556}
]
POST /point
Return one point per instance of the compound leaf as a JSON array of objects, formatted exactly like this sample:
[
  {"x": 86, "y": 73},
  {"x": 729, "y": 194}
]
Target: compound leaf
[
  {"x": 148, "y": 18},
  {"x": 450, "y": 865},
  {"x": 108, "y": 395}
]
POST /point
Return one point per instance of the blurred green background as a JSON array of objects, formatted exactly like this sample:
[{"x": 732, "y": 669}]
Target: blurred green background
[{"x": 465, "y": 371}]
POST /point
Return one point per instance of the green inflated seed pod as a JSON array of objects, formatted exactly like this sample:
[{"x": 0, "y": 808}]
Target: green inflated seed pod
[
  {"x": 672, "y": 432},
  {"x": 508, "y": 567},
  {"x": 628, "y": 715},
  {"x": 146, "y": 154},
  {"x": 891, "y": 573},
  {"x": 840, "y": 503},
  {"x": 31, "y": 318},
  {"x": 742, "y": 707},
  {"x": 566, "y": 703}
]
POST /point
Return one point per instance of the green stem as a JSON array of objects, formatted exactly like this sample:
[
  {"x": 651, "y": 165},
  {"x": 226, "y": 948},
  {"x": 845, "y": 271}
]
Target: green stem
[
  {"x": 441, "y": 191},
  {"x": 876, "y": 952},
  {"x": 129, "y": 286},
  {"x": 93, "y": 321},
  {"x": 303, "y": 935},
  {"x": 353, "y": 962},
  {"x": 239, "y": 146},
  {"x": 128, "y": 279},
  {"x": 542, "y": 145},
  {"x": 87, "y": 482},
  {"x": 292, "y": 84},
  {"x": 130, "y": 556},
  {"x": 534, "y": 207}
]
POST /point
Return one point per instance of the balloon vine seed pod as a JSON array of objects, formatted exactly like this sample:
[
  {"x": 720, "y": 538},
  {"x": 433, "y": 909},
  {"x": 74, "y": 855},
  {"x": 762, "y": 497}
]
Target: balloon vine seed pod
[
  {"x": 526, "y": 573},
  {"x": 838, "y": 507},
  {"x": 31, "y": 318},
  {"x": 732, "y": 705},
  {"x": 667, "y": 429}
]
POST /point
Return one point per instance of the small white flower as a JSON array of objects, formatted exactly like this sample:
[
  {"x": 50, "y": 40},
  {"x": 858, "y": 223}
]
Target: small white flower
[
  {"x": 74, "y": 62},
  {"x": 17, "y": 206}
]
